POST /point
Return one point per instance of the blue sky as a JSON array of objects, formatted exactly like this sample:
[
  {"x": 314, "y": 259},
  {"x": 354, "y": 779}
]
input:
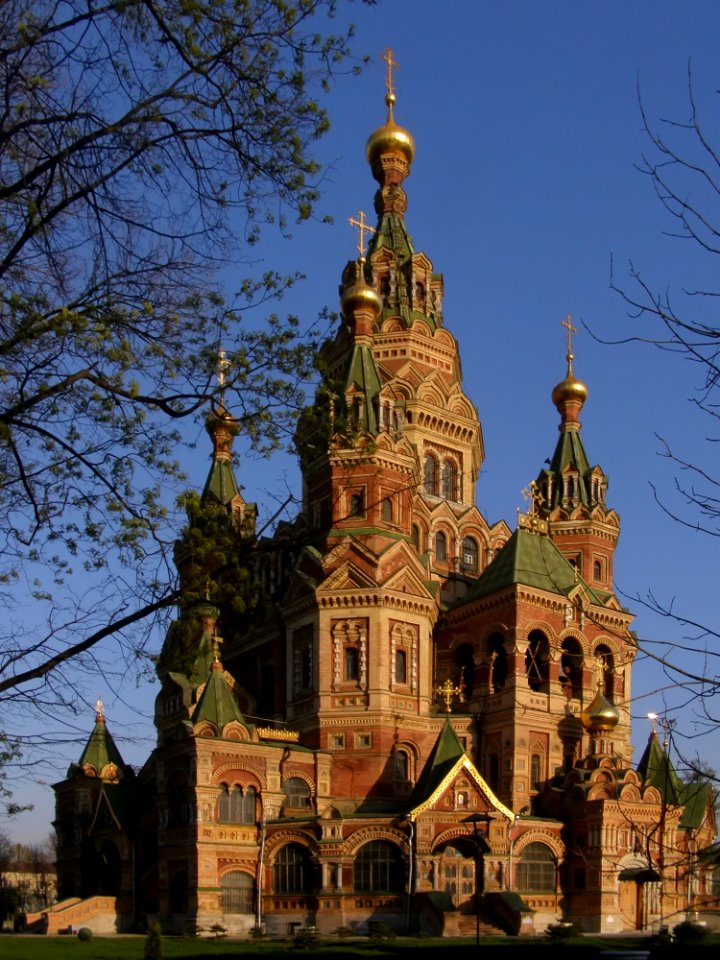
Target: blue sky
[{"x": 524, "y": 186}]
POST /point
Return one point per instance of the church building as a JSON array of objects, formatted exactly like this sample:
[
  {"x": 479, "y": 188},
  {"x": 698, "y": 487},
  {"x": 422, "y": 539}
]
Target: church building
[{"x": 404, "y": 714}]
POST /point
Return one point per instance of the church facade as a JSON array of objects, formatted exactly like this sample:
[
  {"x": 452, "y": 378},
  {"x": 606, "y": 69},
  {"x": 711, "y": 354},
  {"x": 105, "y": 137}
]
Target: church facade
[{"x": 419, "y": 718}]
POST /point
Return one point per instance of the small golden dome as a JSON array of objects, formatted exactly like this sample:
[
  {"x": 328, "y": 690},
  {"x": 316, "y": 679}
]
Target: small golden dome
[
  {"x": 361, "y": 295},
  {"x": 569, "y": 389},
  {"x": 601, "y": 714},
  {"x": 390, "y": 138}
]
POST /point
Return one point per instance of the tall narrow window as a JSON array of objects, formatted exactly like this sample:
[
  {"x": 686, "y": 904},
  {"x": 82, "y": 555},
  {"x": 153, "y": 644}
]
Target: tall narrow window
[
  {"x": 357, "y": 505},
  {"x": 449, "y": 481},
  {"x": 352, "y": 663},
  {"x": 387, "y": 510},
  {"x": 400, "y": 666},
  {"x": 440, "y": 547},
  {"x": 535, "y": 771},
  {"x": 470, "y": 555},
  {"x": 415, "y": 536},
  {"x": 430, "y": 474}
]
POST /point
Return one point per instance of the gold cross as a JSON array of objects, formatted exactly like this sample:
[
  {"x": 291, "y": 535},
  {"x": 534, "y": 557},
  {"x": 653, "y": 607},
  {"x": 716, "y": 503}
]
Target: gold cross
[
  {"x": 533, "y": 494},
  {"x": 223, "y": 364},
  {"x": 447, "y": 691},
  {"x": 363, "y": 228},
  {"x": 387, "y": 56},
  {"x": 568, "y": 324},
  {"x": 216, "y": 646},
  {"x": 99, "y": 709}
]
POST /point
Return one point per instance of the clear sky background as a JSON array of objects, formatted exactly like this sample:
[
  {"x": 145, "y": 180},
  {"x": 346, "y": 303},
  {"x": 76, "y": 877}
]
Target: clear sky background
[{"x": 524, "y": 186}]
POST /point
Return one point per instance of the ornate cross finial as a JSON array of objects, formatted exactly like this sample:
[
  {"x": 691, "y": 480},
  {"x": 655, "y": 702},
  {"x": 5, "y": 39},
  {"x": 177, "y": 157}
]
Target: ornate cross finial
[
  {"x": 99, "y": 709},
  {"x": 223, "y": 364},
  {"x": 533, "y": 494},
  {"x": 447, "y": 691},
  {"x": 568, "y": 324},
  {"x": 216, "y": 646},
  {"x": 652, "y": 717},
  {"x": 387, "y": 56},
  {"x": 363, "y": 228}
]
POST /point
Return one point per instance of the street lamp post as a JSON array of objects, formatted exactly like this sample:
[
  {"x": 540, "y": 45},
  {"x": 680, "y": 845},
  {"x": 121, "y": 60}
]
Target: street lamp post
[{"x": 479, "y": 833}]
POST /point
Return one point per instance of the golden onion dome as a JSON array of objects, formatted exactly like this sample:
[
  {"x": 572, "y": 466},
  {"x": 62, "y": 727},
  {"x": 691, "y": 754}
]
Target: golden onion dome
[
  {"x": 390, "y": 138},
  {"x": 600, "y": 714},
  {"x": 570, "y": 389},
  {"x": 361, "y": 295}
]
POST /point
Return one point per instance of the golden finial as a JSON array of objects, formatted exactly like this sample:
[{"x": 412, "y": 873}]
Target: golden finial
[
  {"x": 447, "y": 691},
  {"x": 568, "y": 324},
  {"x": 532, "y": 521},
  {"x": 387, "y": 56},
  {"x": 363, "y": 228},
  {"x": 533, "y": 494},
  {"x": 223, "y": 364},
  {"x": 216, "y": 646},
  {"x": 99, "y": 709}
]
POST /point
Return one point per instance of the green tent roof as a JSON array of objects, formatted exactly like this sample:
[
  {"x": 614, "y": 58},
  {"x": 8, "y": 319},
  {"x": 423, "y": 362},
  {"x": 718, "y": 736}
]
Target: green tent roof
[
  {"x": 532, "y": 560},
  {"x": 217, "y": 705},
  {"x": 443, "y": 757},
  {"x": 100, "y": 750},
  {"x": 656, "y": 770}
]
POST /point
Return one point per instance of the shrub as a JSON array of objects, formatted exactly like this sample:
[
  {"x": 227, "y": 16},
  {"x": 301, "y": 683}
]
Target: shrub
[
  {"x": 379, "y": 932},
  {"x": 84, "y": 934},
  {"x": 690, "y": 932},
  {"x": 559, "y": 931},
  {"x": 343, "y": 932},
  {"x": 218, "y": 931},
  {"x": 257, "y": 932},
  {"x": 305, "y": 937},
  {"x": 153, "y": 943}
]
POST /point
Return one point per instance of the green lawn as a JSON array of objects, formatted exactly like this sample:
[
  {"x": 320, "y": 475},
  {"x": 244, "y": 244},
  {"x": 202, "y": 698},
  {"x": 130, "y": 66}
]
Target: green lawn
[{"x": 14, "y": 947}]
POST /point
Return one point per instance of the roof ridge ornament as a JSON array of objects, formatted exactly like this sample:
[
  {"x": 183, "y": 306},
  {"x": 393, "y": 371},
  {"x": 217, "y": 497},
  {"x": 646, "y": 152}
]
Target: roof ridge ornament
[
  {"x": 363, "y": 228},
  {"x": 447, "y": 691},
  {"x": 532, "y": 521}
]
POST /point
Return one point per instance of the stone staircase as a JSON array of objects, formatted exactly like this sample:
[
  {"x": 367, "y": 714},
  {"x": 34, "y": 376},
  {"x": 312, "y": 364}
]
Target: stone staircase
[{"x": 98, "y": 913}]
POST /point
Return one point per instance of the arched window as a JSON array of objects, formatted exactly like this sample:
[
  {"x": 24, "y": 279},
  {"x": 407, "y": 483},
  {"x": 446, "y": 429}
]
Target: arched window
[
  {"x": 179, "y": 809},
  {"x": 448, "y": 481},
  {"x": 401, "y": 766},
  {"x": 537, "y": 661},
  {"x": 297, "y": 793},
  {"x": 606, "y": 665},
  {"x": 415, "y": 536},
  {"x": 357, "y": 505},
  {"x": 378, "y": 868},
  {"x": 498, "y": 662},
  {"x": 293, "y": 870},
  {"x": 430, "y": 474},
  {"x": 571, "y": 667},
  {"x": 470, "y": 554},
  {"x": 535, "y": 771},
  {"x": 387, "y": 510},
  {"x": 597, "y": 570},
  {"x": 236, "y": 805},
  {"x": 352, "y": 663},
  {"x": 535, "y": 869},
  {"x": 400, "y": 666},
  {"x": 465, "y": 659},
  {"x": 440, "y": 547},
  {"x": 237, "y": 892}
]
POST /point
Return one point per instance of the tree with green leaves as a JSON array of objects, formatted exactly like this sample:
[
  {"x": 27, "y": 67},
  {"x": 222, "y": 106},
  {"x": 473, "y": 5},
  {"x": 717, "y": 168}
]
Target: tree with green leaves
[{"x": 144, "y": 144}]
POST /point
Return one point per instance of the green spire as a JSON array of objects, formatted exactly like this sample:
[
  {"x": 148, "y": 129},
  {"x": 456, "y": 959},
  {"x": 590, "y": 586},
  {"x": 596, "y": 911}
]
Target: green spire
[
  {"x": 217, "y": 705},
  {"x": 100, "y": 750}
]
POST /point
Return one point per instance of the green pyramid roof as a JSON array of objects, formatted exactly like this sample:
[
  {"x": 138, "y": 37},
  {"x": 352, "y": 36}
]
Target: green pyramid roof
[
  {"x": 363, "y": 373},
  {"x": 656, "y": 770},
  {"x": 532, "y": 560},
  {"x": 217, "y": 705},
  {"x": 221, "y": 483},
  {"x": 100, "y": 750},
  {"x": 443, "y": 758}
]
